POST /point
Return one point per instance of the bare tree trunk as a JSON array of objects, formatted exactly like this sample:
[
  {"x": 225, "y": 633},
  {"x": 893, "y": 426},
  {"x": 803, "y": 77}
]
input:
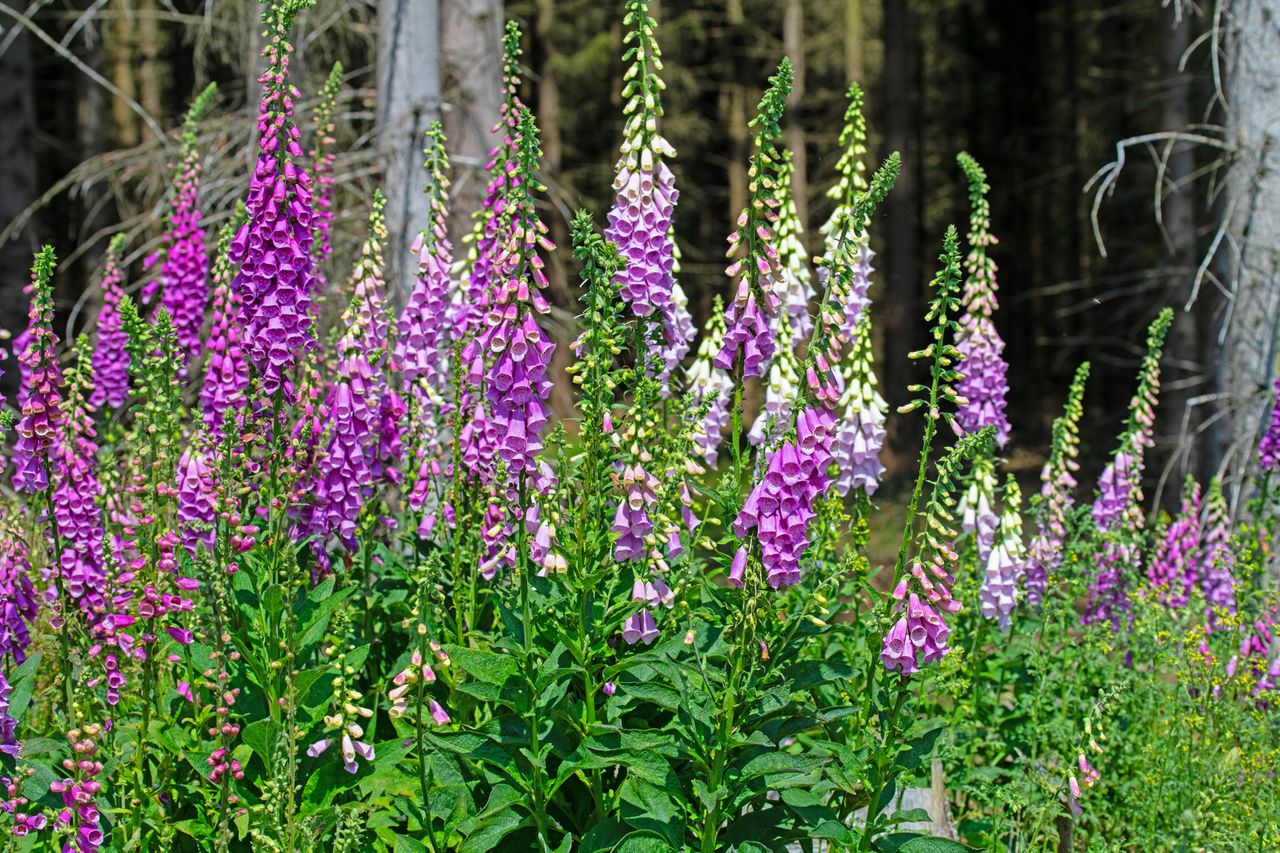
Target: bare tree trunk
[
  {"x": 17, "y": 189},
  {"x": 793, "y": 44},
  {"x": 408, "y": 100},
  {"x": 471, "y": 79},
  {"x": 120, "y": 46},
  {"x": 1254, "y": 190}
]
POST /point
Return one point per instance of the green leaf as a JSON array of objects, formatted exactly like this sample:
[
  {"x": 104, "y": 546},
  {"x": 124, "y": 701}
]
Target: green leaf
[
  {"x": 261, "y": 737},
  {"x": 404, "y": 844},
  {"x": 918, "y": 749},
  {"x": 23, "y": 681},
  {"x": 488, "y": 667},
  {"x": 643, "y": 841}
]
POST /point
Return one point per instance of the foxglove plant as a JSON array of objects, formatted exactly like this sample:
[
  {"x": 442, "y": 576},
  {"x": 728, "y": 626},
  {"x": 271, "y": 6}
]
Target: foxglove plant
[
  {"x": 424, "y": 335},
  {"x": 40, "y": 393},
  {"x": 1217, "y": 579},
  {"x": 749, "y": 341},
  {"x": 344, "y": 472},
  {"x": 983, "y": 386},
  {"x": 226, "y": 375},
  {"x": 19, "y": 603},
  {"x": 77, "y": 495},
  {"x": 272, "y": 250},
  {"x": 183, "y": 277},
  {"x": 110, "y": 360},
  {"x": 1057, "y": 485},
  {"x": 1006, "y": 563},
  {"x": 797, "y": 282},
  {"x": 640, "y": 219},
  {"x": 1175, "y": 568},
  {"x": 1117, "y": 510},
  {"x": 919, "y": 636},
  {"x": 860, "y": 431},
  {"x": 516, "y": 384},
  {"x": 978, "y": 515}
]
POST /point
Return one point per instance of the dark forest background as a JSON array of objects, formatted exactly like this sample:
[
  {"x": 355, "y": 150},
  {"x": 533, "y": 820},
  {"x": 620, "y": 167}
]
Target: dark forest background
[{"x": 1038, "y": 92}]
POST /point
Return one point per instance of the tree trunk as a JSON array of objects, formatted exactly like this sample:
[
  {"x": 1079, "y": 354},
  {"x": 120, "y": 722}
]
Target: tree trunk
[
  {"x": 900, "y": 270},
  {"x": 120, "y": 46},
  {"x": 1254, "y": 189},
  {"x": 471, "y": 80},
  {"x": 793, "y": 44},
  {"x": 854, "y": 56},
  {"x": 17, "y": 191},
  {"x": 408, "y": 100}
]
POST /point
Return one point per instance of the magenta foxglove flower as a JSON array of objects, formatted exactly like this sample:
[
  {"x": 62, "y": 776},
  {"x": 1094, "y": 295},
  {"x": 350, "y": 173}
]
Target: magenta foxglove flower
[
  {"x": 983, "y": 386},
  {"x": 424, "y": 333},
  {"x": 749, "y": 338},
  {"x": 40, "y": 426},
  {"x": 640, "y": 627},
  {"x": 196, "y": 503},
  {"x": 77, "y": 495},
  {"x": 19, "y": 604},
  {"x": 1175, "y": 569},
  {"x": 1006, "y": 562},
  {"x": 918, "y": 637},
  {"x": 110, "y": 358},
  {"x": 275, "y": 281},
  {"x": 515, "y": 383},
  {"x": 183, "y": 280},
  {"x": 226, "y": 377},
  {"x": 1269, "y": 447},
  {"x": 780, "y": 505},
  {"x": 632, "y": 522},
  {"x": 1217, "y": 558}
]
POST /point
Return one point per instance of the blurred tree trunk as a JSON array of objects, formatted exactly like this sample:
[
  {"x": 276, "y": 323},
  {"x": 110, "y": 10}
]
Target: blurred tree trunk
[
  {"x": 854, "y": 55},
  {"x": 899, "y": 298},
  {"x": 793, "y": 45},
  {"x": 408, "y": 100},
  {"x": 1254, "y": 188},
  {"x": 17, "y": 191},
  {"x": 471, "y": 78},
  {"x": 121, "y": 52}
]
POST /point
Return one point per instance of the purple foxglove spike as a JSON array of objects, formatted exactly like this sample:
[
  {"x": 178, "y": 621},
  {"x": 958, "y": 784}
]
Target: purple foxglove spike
[
  {"x": 196, "y": 501},
  {"x": 226, "y": 378},
  {"x": 640, "y": 627},
  {"x": 982, "y": 365},
  {"x": 1005, "y": 562},
  {"x": 40, "y": 391},
  {"x": 183, "y": 276},
  {"x": 110, "y": 358},
  {"x": 1174, "y": 570},
  {"x": 19, "y": 604},
  {"x": 275, "y": 279},
  {"x": 1217, "y": 559}
]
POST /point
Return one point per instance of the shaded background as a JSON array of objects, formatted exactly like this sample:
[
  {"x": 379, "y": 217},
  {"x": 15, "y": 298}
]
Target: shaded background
[{"x": 1038, "y": 92}]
